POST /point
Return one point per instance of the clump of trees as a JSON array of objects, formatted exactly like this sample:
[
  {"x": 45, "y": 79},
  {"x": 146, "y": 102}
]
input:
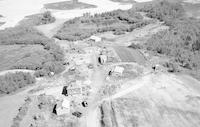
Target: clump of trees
[
  {"x": 135, "y": 46},
  {"x": 14, "y": 81},
  {"x": 181, "y": 41},
  {"x": 162, "y": 9},
  {"x": 118, "y": 21},
  {"x": 38, "y": 19},
  {"x": 55, "y": 64},
  {"x": 47, "y": 18}
]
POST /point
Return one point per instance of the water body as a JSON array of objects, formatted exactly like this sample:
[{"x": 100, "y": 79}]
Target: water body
[{"x": 15, "y": 10}]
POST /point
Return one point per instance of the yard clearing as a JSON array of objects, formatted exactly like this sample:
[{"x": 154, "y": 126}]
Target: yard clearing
[
  {"x": 130, "y": 55},
  {"x": 155, "y": 100}
]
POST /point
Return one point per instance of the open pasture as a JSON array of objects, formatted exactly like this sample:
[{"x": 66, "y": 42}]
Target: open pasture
[{"x": 130, "y": 55}]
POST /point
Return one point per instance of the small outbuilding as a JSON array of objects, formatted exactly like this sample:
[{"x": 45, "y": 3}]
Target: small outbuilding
[
  {"x": 62, "y": 111},
  {"x": 117, "y": 70},
  {"x": 102, "y": 59},
  {"x": 51, "y": 73},
  {"x": 64, "y": 91},
  {"x": 95, "y": 39},
  {"x": 156, "y": 67},
  {"x": 77, "y": 114},
  {"x": 62, "y": 108},
  {"x": 84, "y": 104}
]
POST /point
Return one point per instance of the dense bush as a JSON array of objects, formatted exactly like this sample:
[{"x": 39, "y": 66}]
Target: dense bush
[
  {"x": 22, "y": 35},
  {"x": 38, "y": 19},
  {"x": 29, "y": 36},
  {"x": 161, "y": 9},
  {"x": 171, "y": 67},
  {"x": 181, "y": 41},
  {"x": 135, "y": 46},
  {"x": 48, "y": 67},
  {"x": 118, "y": 21},
  {"x": 13, "y": 81},
  {"x": 47, "y": 18}
]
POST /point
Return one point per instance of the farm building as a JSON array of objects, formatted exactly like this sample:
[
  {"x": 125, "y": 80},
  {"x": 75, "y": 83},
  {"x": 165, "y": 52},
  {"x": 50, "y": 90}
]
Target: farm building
[
  {"x": 95, "y": 38},
  {"x": 117, "y": 70},
  {"x": 102, "y": 59},
  {"x": 62, "y": 108},
  {"x": 75, "y": 90},
  {"x": 64, "y": 91}
]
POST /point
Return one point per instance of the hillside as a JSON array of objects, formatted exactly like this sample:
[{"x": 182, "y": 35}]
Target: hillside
[{"x": 101, "y": 63}]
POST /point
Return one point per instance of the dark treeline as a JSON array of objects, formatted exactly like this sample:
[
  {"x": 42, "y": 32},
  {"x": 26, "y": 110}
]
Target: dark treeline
[
  {"x": 13, "y": 81},
  {"x": 118, "y": 21}
]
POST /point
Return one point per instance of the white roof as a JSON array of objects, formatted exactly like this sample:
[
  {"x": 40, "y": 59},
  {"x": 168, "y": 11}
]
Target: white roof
[
  {"x": 118, "y": 69},
  {"x": 95, "y": 38},
  {"x": 103, "y": 57},
  {"x": 87, "y": 82},
  {"x": 62, "y": 111},
  {"x": 66, "y": 103}
]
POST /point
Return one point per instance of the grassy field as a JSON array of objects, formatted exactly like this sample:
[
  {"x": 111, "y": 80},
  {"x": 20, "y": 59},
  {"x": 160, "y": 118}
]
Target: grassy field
[
  {"x": 21, "y": 55},
  {"x": 130, "y": 55},
  {"x": 68, "y": 5}
]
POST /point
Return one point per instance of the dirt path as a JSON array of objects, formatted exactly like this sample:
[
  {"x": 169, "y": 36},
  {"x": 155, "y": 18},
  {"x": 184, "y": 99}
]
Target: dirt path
[
  {"x": 138, "y": 83},
  {"x": 98, "y": 79},
  {"x": 16, "y": 70}
]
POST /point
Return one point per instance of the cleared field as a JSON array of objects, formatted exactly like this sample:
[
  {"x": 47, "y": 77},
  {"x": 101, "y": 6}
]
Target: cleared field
[
  {"x": 159, "y": 101},
  {"x": 68, "y": 5},
  {"x": 130, "y": 55},
  {"x": 12, "y": 56}
]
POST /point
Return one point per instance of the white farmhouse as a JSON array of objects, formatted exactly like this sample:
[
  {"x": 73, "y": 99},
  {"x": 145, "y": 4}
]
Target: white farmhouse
[
  {"x": 63, "y": 107},
  {"x": 95, "y": 39},
  {"x": 118, "y": 70}
]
